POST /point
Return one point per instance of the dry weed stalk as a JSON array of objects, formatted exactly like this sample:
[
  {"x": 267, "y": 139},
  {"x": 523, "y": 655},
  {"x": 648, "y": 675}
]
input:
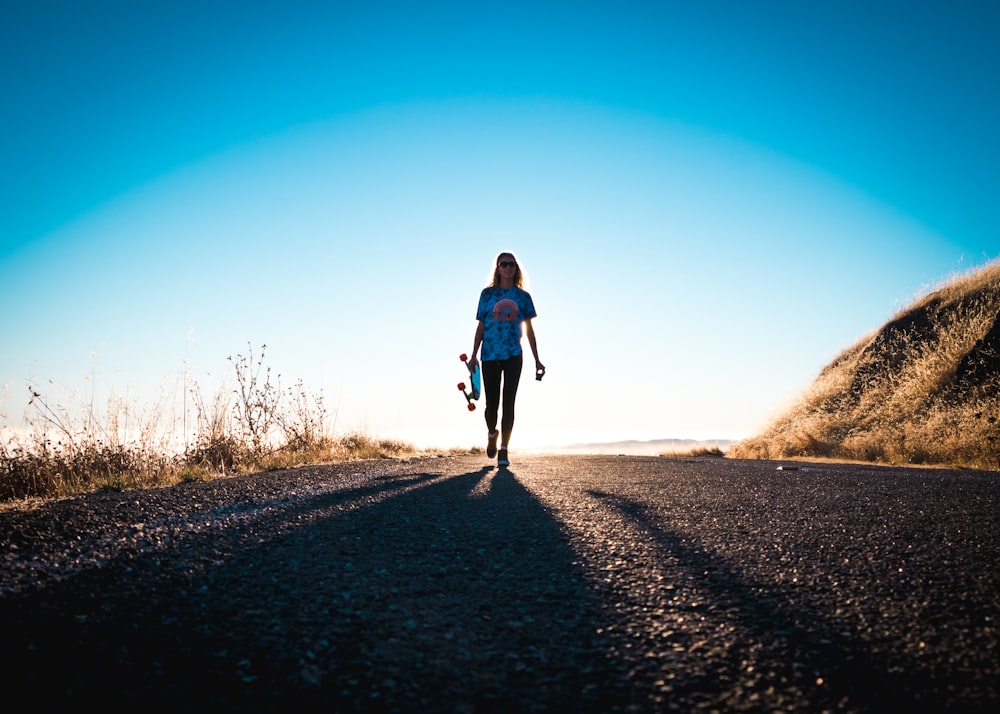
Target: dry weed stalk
[{"x": 70, "y": 448}]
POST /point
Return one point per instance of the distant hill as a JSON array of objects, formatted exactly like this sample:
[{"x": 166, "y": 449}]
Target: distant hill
[
  {"x": 923, "y": 389},
  {"x": 654, "y": 447}
]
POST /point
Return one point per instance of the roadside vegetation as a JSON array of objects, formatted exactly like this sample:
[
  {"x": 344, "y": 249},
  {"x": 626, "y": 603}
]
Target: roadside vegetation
[
  {"x": 258, "y": 425},
  {"x": 923, "y": 389},
  {"x": 697, "y": 451}
]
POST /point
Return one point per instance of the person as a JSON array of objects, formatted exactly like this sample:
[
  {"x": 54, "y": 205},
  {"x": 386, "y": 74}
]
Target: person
[{"x": 504, "y": 306}]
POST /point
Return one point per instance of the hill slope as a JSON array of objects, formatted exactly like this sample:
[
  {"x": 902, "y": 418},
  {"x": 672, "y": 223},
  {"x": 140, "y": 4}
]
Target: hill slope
[{"x": 923, "y": 389}]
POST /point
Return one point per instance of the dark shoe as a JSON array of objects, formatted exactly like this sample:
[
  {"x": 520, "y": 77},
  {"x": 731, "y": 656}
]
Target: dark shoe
[
  {"x": 491, "y": 445},
  {"x": 502, "y": 458}
]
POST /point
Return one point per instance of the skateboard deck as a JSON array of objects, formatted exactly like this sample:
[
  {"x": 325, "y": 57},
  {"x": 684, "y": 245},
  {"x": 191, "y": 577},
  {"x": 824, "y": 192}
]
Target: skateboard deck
[{"x": 476, "y": 380}]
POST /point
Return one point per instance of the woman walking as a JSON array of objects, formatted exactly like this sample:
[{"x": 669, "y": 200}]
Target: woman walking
[{"x": 503, "y": 306}]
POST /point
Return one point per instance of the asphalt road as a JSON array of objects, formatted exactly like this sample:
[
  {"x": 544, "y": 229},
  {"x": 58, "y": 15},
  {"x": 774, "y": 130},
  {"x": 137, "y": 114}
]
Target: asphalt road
[{"x": 562, "y": 584}]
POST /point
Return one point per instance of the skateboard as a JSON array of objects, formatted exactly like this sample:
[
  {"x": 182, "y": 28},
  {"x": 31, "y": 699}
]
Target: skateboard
[{"x": 475, "y": 377}]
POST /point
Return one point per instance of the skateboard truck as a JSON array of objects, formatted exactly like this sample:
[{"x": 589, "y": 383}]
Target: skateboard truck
[{"x": 468, "y": 396}]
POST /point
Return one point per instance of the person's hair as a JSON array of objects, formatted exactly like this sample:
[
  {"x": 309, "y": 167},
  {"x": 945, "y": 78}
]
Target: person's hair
[{"x": 518, "y": 278}]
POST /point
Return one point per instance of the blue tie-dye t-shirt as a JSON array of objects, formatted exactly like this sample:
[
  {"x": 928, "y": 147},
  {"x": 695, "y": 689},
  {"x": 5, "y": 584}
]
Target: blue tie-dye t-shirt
[{"x": 502, "y": 311}]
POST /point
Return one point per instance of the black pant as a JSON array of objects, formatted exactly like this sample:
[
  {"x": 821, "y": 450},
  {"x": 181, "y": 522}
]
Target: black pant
[{"x": 510, "y": 371}]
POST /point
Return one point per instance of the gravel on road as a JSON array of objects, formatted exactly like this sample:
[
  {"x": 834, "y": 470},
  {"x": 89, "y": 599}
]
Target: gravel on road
[{"x": 565, "y": 583}]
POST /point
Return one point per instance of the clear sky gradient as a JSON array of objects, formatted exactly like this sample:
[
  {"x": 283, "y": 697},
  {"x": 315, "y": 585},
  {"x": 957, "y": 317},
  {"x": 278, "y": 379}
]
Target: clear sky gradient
[{"x": 711, "y": 199}]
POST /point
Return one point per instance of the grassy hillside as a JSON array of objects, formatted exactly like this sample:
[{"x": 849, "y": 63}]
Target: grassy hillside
[{"x": 923, "y": 389}]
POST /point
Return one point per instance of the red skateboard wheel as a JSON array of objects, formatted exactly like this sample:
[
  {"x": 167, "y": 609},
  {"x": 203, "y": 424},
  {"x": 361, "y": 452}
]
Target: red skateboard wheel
[
  {"x": 461, "y": 386},
  {"x": 472, "y": 407},
  {"x": 463, "y": 357}
]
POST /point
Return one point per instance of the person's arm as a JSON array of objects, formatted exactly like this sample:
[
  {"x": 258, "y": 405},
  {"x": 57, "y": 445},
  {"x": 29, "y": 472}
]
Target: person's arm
[
  {"x": 477, "y": 340},
  {"x": 530, "y": 331}
]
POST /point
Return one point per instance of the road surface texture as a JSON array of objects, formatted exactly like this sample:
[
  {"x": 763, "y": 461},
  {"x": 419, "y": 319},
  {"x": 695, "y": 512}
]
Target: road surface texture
[{"x": 578, "y": 584}]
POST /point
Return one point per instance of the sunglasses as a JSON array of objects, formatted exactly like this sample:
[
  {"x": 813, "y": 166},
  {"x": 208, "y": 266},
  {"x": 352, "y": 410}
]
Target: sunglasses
[{"x": 506, "y": 264}]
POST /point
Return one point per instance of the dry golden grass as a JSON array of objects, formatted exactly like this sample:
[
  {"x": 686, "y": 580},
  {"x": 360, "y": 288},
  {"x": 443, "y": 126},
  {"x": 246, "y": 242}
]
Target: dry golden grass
[
  {"x": 924, "y": 389},
  {"x": 258, "y": 426},
  {"x": 697, "y": 451},
  {"x": 56, "y": 471}
]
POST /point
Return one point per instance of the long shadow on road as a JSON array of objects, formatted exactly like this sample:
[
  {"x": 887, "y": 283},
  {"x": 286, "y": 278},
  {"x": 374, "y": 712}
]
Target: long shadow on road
[
  {"x": 421, "y": 592},
  {"x": 800, "y": 660}
]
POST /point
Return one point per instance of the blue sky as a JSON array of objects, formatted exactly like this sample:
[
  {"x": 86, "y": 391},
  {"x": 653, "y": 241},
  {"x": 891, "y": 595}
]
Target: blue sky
[{"x": 711, "y": 199}]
